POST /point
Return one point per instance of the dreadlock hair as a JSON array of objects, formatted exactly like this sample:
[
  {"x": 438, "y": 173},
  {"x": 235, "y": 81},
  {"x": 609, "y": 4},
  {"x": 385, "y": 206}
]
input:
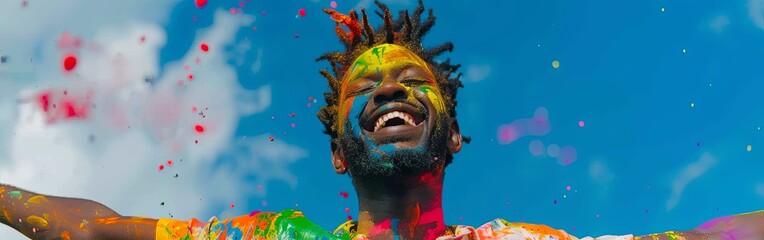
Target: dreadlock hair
[{"x": 407, "y": 31}]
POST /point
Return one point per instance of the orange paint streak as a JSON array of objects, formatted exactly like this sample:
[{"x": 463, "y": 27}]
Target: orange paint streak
[
  {"x": 66, "y": 235},
  {"x": 7, "y": 215}
]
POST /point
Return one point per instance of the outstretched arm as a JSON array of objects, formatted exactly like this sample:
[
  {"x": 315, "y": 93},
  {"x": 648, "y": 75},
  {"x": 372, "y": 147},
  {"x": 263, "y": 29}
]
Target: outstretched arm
[
  {"x": 43, "y": 217},
  {"x": 742, "y": 226}
]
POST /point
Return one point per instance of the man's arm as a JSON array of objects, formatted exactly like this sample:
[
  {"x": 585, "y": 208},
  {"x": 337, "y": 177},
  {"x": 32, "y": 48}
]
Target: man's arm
[
  {"x": 742, "y": 226},
  {"x": 42, "y": 217}
]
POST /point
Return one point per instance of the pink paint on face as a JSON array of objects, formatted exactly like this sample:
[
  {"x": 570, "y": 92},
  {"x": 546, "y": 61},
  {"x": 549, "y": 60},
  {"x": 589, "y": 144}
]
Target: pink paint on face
[{"x": 714, "y": 222}]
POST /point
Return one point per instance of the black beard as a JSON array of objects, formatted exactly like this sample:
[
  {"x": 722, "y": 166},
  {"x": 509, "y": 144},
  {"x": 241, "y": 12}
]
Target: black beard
[{"x": 405, "y": 162}]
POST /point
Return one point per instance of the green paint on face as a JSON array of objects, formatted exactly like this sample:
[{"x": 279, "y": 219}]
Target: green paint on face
[
  {"x": 425, "y": 89},
  {"x": 379, "y": 53},
  {"x": 15, "y": 194}
]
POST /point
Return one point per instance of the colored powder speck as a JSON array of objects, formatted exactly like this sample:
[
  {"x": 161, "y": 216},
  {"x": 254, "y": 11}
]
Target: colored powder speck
[
  {"x": 169, "y": 163},
  {"x": 301, "y": 12},
  {"x": 555, "y": 64},
  {"x": 70, "y": 61},
  {"x": 15, "y": 194},
  {"x": 190, "y": 76},
  {"x": 333, "y": 4},
  {"x": 204, "y": 47},
  {"x": 748, "y": 148},
  {"x": 581, "y": 123},
  {"x": 161, "y": 167},
  {"x": 201, "y": 3},
  {"x": 199, "y": 128}
]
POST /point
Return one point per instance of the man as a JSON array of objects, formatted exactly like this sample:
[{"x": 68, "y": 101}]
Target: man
[{"x": 391, "y": 118}]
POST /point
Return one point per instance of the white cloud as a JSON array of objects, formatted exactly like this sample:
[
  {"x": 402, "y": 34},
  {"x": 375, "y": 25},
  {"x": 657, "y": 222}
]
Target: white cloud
[
  {"x": 600, "y": 172},
  {"x": 136, "y": 126},
  {"x": 759, "y": 188},
  {"x": 687, "y": 175},
  {"x": 478, "y": 72},
  {"x": 756, "y": 12},
  {"x": 719, "y": 23}
]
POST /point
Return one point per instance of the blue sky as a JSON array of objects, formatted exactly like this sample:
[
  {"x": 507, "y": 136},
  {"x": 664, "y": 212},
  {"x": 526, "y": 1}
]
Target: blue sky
[{"x": 667, "y": 92}]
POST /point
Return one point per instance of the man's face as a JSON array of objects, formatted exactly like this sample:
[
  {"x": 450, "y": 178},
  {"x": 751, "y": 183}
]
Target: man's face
[{"x": 393, "y": 119}]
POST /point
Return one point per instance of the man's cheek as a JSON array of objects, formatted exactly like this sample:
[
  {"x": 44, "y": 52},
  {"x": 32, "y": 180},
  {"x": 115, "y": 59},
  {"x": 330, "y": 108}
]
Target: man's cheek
[
  {"x": 355, "y": 107},
  {"x": 434, "y": 96}
]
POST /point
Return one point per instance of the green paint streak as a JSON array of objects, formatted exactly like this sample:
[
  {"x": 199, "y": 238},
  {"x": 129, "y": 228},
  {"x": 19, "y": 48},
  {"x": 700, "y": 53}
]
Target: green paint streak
[
  {"x": 15, "y": 194},
  {"x": 426, "y": 89},
  {"x": 387, "y": 165},
  {"x": 380, "y": 54}
]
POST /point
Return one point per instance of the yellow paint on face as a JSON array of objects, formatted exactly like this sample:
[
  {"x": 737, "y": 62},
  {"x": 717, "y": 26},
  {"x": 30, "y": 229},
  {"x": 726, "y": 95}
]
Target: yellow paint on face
[
  {"x": 37, "y": 221},
  {"x": 382, "y": 59}
]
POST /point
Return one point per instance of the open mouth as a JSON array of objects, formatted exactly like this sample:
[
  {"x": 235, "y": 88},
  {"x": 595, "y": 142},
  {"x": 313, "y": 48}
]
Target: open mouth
[{"x": 394, "y": 116}]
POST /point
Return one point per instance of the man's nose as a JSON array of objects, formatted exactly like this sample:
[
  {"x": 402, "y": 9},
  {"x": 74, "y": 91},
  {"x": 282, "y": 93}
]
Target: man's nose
[{"x": 389, "y": 91}]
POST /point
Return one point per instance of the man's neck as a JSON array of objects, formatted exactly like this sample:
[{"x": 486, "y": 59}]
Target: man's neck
[{"x": 411, "y": 209}]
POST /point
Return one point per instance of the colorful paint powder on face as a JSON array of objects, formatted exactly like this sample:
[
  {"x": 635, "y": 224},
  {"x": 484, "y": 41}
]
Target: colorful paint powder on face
[
  {"x": 204, "y": 47},
  {"x": 15, "y": 194},
  {"x": 70, "y": 61},
  {"x": 201, "y": 3},
  {"x": 199, "y": 128}
]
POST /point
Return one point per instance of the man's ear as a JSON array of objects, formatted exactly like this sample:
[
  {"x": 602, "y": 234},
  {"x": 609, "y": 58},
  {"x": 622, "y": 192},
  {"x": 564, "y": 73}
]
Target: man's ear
[
  {"x": 455, "y": 137},
  {"x": 338, "y": 157}
]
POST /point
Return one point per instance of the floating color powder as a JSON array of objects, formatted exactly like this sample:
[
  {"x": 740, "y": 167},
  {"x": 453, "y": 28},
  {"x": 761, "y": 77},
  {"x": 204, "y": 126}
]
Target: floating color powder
[
  {"x": 748, "y": 148},
  {"x": 301, "y": 12},
  {"x": 536, "y": 147},
  {"x": 553, "y": 150},
  {"x": 581, "y": 123},
  {"x": 567, "y": 156},
  {"x": 70, "y": 61},
  {"x": 567, "y": 188},
  {"x": 161, "y": 167},
  {"x": 555, "y": 64},
  {"x": 232, "y": 205},
  {"x": 199, "y": 128},
  {"x": 344, "y": 194},
  {"x": 201, "y": 3},
  {"x": 190, "y": 76},
  {"x": 169, "y": 163},
  {"x": 204, "y": 47},
  {"x": 333, "y": 4}
]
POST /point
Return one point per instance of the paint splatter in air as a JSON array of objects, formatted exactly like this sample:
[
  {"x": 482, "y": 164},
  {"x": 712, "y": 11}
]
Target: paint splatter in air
[
  {"x": 199, "y": 128},
  {"x": 333, "y": 4},
  {"x": 200, "y": 3},
  {"x": 301, "y": 12},
  {"x": 555, "y": 64},
  {"x": 161, "y": 167},
  {"x": 190, "y": 76},
  {"x": 70, "y": 61},
  {"x": 169, "y": 163},
  {"x": 271, "y": 138},
  {"x": 344, "y": 194},
  {"x": 581, "y": 123},
  {"x": 204, "y": 47}
]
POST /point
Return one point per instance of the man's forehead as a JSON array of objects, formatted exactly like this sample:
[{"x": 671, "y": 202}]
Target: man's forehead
[{"x": 385, "y": 57}]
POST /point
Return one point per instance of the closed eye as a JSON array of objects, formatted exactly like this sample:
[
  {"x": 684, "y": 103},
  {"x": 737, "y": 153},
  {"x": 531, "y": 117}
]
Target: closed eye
[{"x": 414, "y": 81}]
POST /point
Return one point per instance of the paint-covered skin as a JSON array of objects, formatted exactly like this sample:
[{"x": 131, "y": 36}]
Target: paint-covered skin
[{"x": 45, "y": 217}]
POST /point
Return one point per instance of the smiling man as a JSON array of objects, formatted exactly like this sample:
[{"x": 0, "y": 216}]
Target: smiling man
[{"x": 392, "y": 122}]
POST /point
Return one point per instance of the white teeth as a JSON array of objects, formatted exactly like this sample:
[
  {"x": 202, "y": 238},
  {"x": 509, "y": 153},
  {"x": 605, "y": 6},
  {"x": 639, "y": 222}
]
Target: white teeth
[{"x": 382, "y": 120}]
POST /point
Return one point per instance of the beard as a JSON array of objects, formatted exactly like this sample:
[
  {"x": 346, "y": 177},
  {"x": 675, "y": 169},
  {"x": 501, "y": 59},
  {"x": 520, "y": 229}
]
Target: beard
[{"x": 388, "y": 161}]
